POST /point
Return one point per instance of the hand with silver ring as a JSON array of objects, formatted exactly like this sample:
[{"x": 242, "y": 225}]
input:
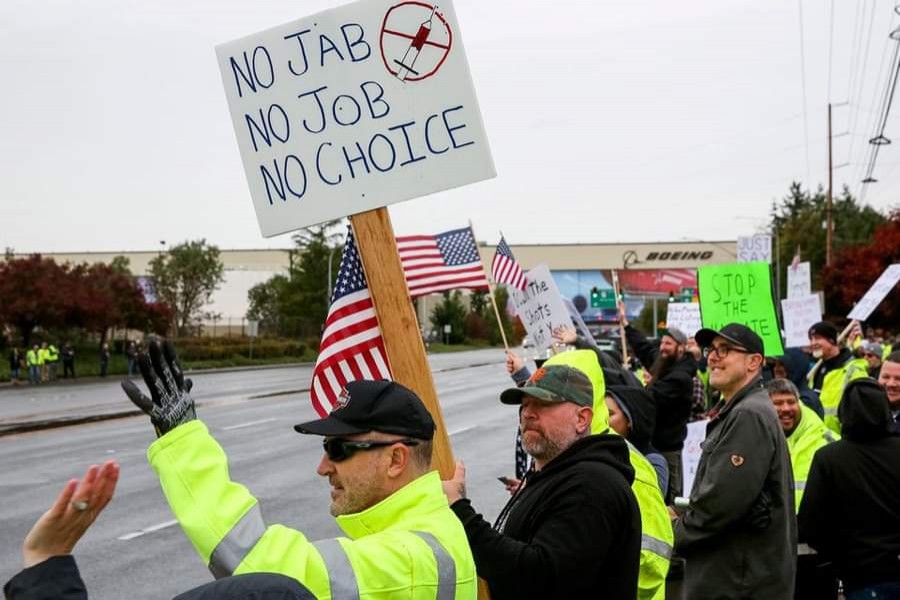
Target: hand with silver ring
[{"x": 75, "y": 509}]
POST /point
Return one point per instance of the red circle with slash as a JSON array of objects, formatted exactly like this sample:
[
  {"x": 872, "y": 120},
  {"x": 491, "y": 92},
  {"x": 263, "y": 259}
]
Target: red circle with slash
[{"x": 415, "y": 40}]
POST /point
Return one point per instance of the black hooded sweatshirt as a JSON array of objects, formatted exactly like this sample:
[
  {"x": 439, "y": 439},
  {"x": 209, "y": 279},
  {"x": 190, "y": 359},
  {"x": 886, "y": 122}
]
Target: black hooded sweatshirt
[
  {"x": 850, "y": 511},
  {"x": 572, "y": 531}
]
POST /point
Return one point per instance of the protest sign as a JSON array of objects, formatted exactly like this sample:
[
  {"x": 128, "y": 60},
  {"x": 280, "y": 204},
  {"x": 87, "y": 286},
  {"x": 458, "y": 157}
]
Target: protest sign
[
  {"x": 684, "y": 316},
  {"x": 690, "y": 455},
  {"x": 799, "y": 281},
  {"x": 540, "y": 307},
  {"x": 352, "y": 109},
  {"x": 800, "y": 313},
  {"x": 754, "y": 248},
  {"x": 741, "y": 293},
  {"x": 878, "y": 292}
]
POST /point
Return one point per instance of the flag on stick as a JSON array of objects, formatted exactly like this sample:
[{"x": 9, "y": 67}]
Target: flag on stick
[
  {"x": 446, "y": 261},
  {"x": 505, "y": 269},
  {"x": 352, "y": 347}
]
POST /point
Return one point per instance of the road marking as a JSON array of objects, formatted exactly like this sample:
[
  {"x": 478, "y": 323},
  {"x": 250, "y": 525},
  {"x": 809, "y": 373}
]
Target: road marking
[
  {"x": 249, "y": 424},
  {"x": 146, "y": 530},
  {"x": 463, "y": 430}
]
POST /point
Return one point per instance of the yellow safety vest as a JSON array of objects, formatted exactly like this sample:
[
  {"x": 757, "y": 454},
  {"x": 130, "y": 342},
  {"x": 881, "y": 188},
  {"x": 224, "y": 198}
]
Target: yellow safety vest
[
  {"x": 833, "y": 388},
  {"x": 31, "y": 358},
  {"x": 408, "y": 546},
  {"x": 42, "y": 356},
  {"x": 52, "y": 353},
  {"x": 810, "y": 435},
  {"x": 657, "y": 537}
]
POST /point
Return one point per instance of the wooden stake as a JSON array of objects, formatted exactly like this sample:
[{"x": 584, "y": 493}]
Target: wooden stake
[
  {"x": 615, "y": 278},
  {"x": 497, "y": 314},
  {"x": 399, "y": 326}
]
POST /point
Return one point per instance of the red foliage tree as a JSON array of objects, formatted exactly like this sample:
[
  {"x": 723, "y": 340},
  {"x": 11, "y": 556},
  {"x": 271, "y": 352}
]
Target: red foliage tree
[
  {"x": 856, "y": 268},
  {"x": 37, "y": 292},
  {"x": 34, "y": 292}
]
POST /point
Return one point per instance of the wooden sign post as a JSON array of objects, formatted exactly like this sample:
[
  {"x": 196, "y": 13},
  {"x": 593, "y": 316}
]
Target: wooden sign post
[{"x": 397, "y": 319}]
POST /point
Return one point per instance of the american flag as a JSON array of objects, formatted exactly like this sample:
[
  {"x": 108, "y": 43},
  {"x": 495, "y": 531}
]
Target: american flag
[
  {"x": 446, "y": 261},
  {"x": 505, "y": 269},
  {"x": 352, "y": 347}
]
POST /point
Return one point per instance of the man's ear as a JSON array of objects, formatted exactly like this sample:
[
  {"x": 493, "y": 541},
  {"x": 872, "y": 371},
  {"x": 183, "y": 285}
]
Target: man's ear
[
  {"x": 400, "y": 457},
  {"x": 585, "y": 416}
]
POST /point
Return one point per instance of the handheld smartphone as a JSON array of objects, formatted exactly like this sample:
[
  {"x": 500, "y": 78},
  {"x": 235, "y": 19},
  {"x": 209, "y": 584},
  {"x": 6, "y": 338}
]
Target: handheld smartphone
[{"x": 505, "y": 480}]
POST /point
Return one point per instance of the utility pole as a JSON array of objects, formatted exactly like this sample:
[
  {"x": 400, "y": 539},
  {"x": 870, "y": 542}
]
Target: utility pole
[{"x": 829, "y": 221}]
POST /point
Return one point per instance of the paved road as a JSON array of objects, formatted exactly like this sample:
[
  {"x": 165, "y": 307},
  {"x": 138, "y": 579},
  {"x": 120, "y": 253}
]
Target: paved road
[{"x": 135, "y": 551}]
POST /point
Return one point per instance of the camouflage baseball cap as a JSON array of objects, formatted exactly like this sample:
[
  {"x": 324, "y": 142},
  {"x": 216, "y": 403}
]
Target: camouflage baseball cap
[{"x": 556, "y": 383}]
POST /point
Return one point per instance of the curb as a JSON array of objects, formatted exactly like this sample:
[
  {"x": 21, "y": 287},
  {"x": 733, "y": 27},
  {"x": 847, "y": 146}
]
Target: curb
[
  {"x": 40, "y": 425},
  {"x": 59, "y": 382}
]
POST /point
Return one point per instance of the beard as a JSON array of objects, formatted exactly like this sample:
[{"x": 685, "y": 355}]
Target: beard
[
  {"x": 662, "y": 365},
  {"x": 542, "y": 448}
]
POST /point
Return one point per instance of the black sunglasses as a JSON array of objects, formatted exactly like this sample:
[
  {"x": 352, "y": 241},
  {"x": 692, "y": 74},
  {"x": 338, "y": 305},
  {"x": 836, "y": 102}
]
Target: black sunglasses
[{"x": 339, "y": 449}]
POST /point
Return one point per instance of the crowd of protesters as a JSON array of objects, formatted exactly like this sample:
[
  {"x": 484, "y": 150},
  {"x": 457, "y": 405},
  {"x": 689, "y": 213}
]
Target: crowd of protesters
[
  {"x": 795, "y": 494},
  {"x": 41, "y": 363}
]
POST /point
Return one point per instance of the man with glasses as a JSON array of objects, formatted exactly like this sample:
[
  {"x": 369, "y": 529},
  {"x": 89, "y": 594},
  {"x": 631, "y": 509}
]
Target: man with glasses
[
  {"x": 739, "y": 534},
  {"x": 402, "y": 540}
]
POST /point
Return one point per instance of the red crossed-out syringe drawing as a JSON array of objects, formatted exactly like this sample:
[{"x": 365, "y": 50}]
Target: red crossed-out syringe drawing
[{"x": 414, "y": 56}]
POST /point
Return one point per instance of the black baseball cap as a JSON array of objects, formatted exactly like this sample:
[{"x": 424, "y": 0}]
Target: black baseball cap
[
  {"x": 735, "y": 333},
  {"x": 824, "y": 329},
  {"x": 555, "y": 383},
  {"x": 384, "y": 406}
]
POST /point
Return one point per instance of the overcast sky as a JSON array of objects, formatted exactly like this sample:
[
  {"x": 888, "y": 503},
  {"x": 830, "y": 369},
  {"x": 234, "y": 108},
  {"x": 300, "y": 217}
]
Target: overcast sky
[{"x": 609, "y": 121}]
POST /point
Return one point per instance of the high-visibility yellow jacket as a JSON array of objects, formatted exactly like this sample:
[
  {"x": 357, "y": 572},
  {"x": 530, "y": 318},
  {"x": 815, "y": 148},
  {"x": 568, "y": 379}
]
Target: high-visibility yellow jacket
[
  {"x": 408, "y": 546},
  {"x": 52, "y": 353},
  {"x": 833, "y": 388},
  {"x": 809, "y": 435},
  {"x": 657, "y": 537},
  {"x": 31, "y": 358},
  {"x": 42, "y": 355}
]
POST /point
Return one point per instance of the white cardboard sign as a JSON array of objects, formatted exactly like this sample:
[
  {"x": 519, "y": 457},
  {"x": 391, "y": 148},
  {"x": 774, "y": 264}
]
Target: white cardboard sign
[
  {"x": 754, "y": 248},
  {"x": 799, "y": 280},
  {"x": 540, "y": 307},
  {"x": 352, "y": 109},
  {"x": 690, "y": 454},
  {"x": 878, "y": 292},
  {"x": 799, "y": 314},
  {"x": 684, "y": 316}
]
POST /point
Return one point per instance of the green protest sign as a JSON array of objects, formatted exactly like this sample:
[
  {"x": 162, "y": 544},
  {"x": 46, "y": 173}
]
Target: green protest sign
[{"x": 741, "y": 293}]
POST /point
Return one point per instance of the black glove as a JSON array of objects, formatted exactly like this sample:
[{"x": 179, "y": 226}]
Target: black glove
[{"x": 172, "y": 404}]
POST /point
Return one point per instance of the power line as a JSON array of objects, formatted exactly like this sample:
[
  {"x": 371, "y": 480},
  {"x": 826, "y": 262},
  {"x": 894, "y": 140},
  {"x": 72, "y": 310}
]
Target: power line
[
  {"x": 870, "y": 150},
  {"x": 862, "y": 81},
  {"x": 803, "y": 86},
  {"x": 830, "y": 48},
  {"x": 880, "y": 139}
]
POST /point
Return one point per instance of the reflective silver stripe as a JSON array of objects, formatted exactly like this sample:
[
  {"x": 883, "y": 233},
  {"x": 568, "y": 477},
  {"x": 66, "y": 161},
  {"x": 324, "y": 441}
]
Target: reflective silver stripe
[
  {"x": 341, "y": 577},
  {"x": 656, "y": 546},
  {"x": 799, "y": 485},
  {"x": 831, "y": 412},
  {"x": 237, "y": 543},
  {"x": 446, "y": 567}
]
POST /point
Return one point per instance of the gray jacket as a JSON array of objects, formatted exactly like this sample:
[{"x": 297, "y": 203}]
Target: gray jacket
[{"x": 739, "y": 534}]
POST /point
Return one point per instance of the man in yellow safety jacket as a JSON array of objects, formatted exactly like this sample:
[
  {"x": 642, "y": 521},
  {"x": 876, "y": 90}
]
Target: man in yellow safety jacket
[
  {"x": 837, "y": 369},
  {"x": 804, "y": 430},
  {"x": 402, "y": 540}
]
